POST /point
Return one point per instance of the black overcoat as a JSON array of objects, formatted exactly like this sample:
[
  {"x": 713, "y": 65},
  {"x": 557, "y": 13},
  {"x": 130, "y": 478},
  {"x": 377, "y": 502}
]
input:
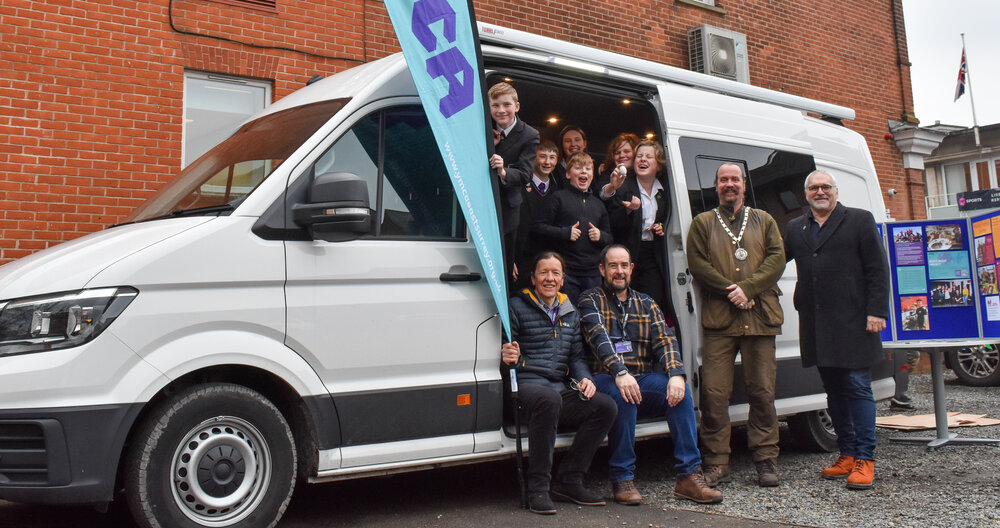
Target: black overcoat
[{"x": 841, "y": 281}]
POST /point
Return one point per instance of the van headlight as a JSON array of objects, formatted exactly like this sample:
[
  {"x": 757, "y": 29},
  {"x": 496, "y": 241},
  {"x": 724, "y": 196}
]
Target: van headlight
[{"x": 59, "y": 320}]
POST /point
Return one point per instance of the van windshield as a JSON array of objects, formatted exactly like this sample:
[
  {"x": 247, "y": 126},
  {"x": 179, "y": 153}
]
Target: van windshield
[{"x": 217, "y": 181}]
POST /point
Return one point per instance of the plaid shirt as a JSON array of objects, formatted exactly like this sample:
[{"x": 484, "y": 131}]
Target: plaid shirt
[{"x": 654, "y": 347}]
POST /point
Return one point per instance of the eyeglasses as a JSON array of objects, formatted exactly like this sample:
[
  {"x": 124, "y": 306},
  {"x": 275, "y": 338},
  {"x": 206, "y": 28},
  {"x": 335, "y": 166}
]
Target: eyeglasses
[
  {"x": 575, "y": 385},
  {"x": 824, "y": 188}
]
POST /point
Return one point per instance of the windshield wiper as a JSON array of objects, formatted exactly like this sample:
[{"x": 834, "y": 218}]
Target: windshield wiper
[{"x": 196, "y": 211}]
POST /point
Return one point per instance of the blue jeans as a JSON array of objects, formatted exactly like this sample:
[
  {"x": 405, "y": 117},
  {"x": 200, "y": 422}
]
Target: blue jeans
[
  {"x": 621, "y": 437},
  {"x": 851, "y": 405}
]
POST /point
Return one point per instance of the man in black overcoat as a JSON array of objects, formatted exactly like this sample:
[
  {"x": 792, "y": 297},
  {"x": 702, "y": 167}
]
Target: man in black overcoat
[{"x": 842, "y": 296}]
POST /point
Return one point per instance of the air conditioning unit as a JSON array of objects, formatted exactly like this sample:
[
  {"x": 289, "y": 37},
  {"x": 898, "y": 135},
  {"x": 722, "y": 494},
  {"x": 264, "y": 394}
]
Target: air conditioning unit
[{"x": 719, "y": 52}]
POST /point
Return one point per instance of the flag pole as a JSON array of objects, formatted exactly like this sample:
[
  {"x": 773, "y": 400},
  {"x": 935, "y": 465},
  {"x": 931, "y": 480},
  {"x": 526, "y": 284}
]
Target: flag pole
[{"x": 972, "y": 100}]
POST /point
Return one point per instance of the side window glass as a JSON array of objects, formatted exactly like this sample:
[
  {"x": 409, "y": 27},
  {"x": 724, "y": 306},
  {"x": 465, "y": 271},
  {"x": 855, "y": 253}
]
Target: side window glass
[
  {"x": 355, "y": 152},
  {"x": 774, "y": 181},
  {"x": 418, "y": 199},
  {"x": 395, "y": 153}
]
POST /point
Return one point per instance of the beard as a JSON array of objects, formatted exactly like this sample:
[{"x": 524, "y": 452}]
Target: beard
[{"x": 609, "y": 284}]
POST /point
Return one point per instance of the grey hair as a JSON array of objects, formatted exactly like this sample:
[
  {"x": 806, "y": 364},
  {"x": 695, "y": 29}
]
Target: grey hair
[{"x": 805, "y": 184}]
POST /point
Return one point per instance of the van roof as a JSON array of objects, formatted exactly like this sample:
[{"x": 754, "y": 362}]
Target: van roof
[{"x": 550, "y": 50}]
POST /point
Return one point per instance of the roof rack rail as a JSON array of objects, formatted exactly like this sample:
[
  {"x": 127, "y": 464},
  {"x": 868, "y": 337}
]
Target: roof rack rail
[{"x": 596, "y": 60}]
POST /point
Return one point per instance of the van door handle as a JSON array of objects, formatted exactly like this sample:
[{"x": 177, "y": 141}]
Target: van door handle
[{"x": 460, "y": 277}]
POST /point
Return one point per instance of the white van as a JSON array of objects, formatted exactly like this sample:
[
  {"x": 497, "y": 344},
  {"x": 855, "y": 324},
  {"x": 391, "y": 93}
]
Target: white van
[{"x": 233, "y": 335}]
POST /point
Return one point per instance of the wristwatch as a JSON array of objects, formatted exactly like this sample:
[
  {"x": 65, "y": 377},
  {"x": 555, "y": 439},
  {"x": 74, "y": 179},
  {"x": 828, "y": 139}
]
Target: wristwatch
[{"x": 622, "y": 372}]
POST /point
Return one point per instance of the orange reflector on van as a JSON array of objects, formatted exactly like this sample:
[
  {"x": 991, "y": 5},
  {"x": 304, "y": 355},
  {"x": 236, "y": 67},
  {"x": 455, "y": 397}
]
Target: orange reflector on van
[{"x": 464, "y": 399}]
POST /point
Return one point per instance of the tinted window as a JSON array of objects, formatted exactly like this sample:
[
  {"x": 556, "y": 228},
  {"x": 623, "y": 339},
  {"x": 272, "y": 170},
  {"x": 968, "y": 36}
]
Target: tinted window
[
  {"x": 774, "y": 181},
  {"x": 395, "y": 153}
]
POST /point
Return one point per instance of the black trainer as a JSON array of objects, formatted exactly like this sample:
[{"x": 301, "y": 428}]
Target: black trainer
[
  {"x": 575, "y": 493},
  {"x": 540, "y": 503}
]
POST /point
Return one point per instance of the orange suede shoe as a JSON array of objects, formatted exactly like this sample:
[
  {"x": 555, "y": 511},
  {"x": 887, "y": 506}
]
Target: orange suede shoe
[
  {"x": 862, "y": 476},
  {"x": 840, "y": 469}
]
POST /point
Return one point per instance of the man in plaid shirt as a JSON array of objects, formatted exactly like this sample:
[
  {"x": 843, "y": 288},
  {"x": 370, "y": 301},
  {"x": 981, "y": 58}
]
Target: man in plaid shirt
[{"x": 639, "y": 366}]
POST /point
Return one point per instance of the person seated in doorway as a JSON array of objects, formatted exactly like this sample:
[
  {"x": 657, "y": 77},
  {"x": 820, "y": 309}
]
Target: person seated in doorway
[
  {"x": 555, "y": 388},
  {"x": 638, "y": 364}
]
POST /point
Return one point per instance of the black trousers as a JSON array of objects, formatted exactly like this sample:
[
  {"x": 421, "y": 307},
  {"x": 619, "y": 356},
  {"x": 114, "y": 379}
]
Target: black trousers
[
  {"x": 545, "y": 410},
  {"x": 647, "y": 277}
]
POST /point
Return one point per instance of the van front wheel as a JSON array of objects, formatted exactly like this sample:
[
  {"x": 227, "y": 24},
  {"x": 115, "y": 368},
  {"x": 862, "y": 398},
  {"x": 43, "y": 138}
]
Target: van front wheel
[
  {"x": 814, "y": 431},
  {"x": 218, "y": 455}
]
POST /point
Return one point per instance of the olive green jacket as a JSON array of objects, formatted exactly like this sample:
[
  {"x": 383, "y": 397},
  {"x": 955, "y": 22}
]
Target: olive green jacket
[{"x": 711, "y": 260}]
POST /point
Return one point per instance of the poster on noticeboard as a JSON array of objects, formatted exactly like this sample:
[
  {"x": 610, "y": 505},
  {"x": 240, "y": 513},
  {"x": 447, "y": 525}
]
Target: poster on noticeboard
[
  {"x": 986, "y": 257},
  {"x": 937, "y": 269}
]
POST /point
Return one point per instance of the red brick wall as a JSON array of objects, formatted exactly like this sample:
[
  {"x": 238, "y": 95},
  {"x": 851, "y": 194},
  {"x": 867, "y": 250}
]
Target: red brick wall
[{"x": 91, "y": 91}]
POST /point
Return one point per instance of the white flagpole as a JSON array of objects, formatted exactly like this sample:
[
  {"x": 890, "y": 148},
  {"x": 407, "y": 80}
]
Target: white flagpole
[{"x": 968, "y": 82}]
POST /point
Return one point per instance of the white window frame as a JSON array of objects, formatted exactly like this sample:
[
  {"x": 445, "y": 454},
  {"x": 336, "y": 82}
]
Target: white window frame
[{"x": 221, "y": 82}]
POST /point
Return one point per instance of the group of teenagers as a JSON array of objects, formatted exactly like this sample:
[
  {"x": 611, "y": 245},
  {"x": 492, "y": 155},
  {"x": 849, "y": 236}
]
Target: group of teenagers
[{"x": 593, "y": 343}]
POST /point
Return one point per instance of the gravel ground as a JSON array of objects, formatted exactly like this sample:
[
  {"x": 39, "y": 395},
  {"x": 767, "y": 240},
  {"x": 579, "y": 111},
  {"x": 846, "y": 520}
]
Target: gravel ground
[{"x": 953, "y": 486}]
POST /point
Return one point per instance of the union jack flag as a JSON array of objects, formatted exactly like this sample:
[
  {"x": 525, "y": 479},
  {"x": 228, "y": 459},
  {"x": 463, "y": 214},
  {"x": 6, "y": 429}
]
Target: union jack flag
[{"x": 963, "y": 72}]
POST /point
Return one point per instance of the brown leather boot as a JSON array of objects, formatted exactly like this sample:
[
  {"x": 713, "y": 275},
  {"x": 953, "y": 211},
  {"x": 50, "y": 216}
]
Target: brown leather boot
[
  {"x": 840, "y": 469},
  {"x": 767, "y": 473},
  {"x": 694, "y": 488},
  {"x": 625, "y": 493},
  {"x": 716, "y": 474},
  {"x": 863, "y": 474}
]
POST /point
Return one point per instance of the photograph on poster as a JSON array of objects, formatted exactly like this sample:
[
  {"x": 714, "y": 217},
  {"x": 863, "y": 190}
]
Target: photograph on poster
[
  {"x": 914, "y": 312},
  {"x": 988, "y": 280},
  {"x": 984, "y": 250},
  {"x": 911, "y": 279},
  {"x": 949, "y": 294},
  {"x": 948, "y": 265},
  {"x": 992, "y": 308},
  {"x": 909, "y": 242},
  {"x": 944, "y": 237}
]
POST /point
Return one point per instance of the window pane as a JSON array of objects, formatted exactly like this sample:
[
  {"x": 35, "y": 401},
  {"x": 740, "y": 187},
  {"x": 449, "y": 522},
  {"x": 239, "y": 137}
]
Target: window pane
[
  {"x": 417, "y": 198},
  {"x": 774, "y": 181},
  {"x": 213, "y": 108},
  {"x": 954, "y": 181},
  {"x": 355, "y": 152}
]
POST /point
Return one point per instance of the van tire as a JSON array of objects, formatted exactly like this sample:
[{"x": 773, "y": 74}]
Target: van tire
[
  {"x": 977, "y": 366},
  {"x": 814, "y": 431},
  {"x": 227, "y": 431}
]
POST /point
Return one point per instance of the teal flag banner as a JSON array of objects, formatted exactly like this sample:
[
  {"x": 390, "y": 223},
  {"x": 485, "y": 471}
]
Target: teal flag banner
[{"x": 440, "y": 43}]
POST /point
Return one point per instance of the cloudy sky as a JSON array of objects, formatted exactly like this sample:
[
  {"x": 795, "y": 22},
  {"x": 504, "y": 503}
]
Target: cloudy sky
[{"x": 933, "y": 34}]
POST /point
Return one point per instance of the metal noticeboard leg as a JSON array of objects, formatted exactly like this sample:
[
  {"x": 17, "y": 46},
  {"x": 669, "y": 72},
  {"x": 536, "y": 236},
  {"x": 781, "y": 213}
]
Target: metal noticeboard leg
[{"x": 944, "y": 437}]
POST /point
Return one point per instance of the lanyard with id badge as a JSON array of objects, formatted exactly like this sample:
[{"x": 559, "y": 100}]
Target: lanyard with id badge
[{"x": 623, "y": 345}]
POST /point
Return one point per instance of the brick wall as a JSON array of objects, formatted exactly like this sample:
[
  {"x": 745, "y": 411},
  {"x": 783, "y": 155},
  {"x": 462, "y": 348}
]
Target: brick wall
[{"x": 91, "y": 91}]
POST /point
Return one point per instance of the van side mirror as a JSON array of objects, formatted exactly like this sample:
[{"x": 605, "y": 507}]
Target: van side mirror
[{"x": 338, "y": 209}]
